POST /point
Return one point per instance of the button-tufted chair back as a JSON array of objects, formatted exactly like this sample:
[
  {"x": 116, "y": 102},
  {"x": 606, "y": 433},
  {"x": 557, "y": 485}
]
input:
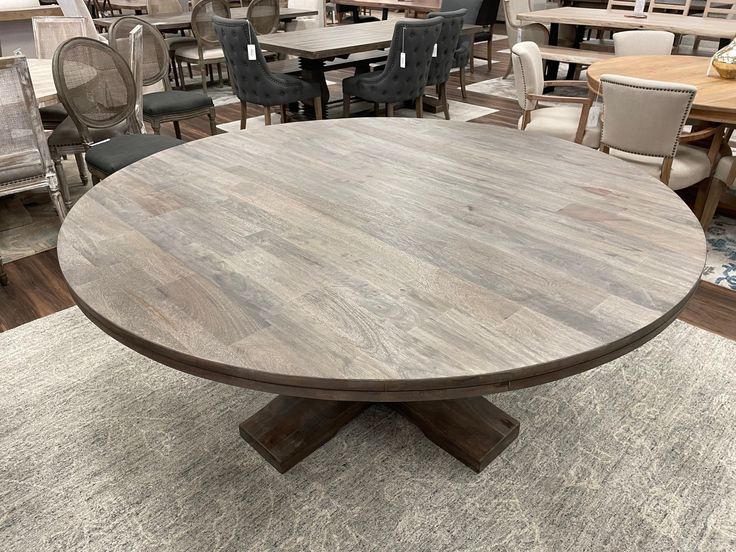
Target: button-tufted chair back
[
  {"x": 452, "y": 24},
  {"x": 398, "y": 84},
  {"x": 472, "y": 8},
  {"x": 251, "y": 79}
]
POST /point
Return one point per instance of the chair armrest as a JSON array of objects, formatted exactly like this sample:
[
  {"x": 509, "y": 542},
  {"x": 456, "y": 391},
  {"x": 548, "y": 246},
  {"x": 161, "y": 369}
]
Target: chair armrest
[
  {"x": 699, "y": 134},
  {"x": 578, "y": 83},
  {"x": 560, "y": 99}
]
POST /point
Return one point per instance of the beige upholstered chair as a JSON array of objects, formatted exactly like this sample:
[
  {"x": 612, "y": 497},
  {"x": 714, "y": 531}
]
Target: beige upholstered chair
[
  {"x": 207, "y": 52},
  {"x": 643, "y": 43},
  {"x": 154, "y": 7},
  {"x": 518, "y": 31},
  {"x": 161, "y": 104},
  {"x": 25, "y": 161},
  {"x": 642, "y": 124},
  {"x": 723, "y": 180},
  {"x": 568, "y": 121}
]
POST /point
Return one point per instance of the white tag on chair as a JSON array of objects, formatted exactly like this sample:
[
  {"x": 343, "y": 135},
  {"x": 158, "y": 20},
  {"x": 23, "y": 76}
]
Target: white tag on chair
[
  {"x": 639, "y": 6},
  {"x": 251, "y": 52},
  {"x": 402, "y": 60},
  {"x": 434, "y": 50},
  {"x": 594, "y": 116}
]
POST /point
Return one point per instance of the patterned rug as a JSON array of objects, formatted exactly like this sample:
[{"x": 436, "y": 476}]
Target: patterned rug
[
  {"x": 102, "y": 449},
  {"x": 721, "y": 265}
]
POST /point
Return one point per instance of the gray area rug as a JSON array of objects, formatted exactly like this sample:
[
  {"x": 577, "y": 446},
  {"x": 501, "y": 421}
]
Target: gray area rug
[{"x": 102, "y": 449}]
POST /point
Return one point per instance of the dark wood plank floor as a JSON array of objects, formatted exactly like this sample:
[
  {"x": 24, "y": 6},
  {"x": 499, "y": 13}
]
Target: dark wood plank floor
[{"x": 37, "y": 287}]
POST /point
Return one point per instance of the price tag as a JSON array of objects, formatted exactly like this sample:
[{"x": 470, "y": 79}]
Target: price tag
[
  {"x": 251, "y": 52},
  {"x": 434, "y": 50},
  {"x": 402, "y": 60},
  {"x": 639, "y": 6}
]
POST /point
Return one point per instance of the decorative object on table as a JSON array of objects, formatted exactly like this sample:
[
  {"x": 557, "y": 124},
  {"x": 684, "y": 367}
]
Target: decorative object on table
[
  {"x": 252, "y": 80},
  {"x": 108, "y": 126},
  {"x": 724, "y": 61},
  {"x": 161, "y": 104},
  {"x": 404, "y": 76}
]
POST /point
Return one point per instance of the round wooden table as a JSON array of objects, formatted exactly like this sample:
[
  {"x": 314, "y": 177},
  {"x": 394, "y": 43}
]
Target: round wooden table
[
  {"x": 715, "y": 99},
  {"x": 418, "y": 263}
]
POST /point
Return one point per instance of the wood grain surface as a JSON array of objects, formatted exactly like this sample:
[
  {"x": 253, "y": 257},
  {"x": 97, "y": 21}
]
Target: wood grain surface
[
  {"x": 178, "y": 21},
  {"x": 714, "y": 101},
  {"x": 381, "y": 260},
  {"x": 43, "y": 81},
  {"x": 337, "y": 40},
  {"x": 616, "y": 19},
  {"x": 23, "y": 14},
  {"x": 421, "y": 6}
]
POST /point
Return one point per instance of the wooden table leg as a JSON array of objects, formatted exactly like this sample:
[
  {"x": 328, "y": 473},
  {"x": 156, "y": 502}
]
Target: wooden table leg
[
  {"x": 473, "y": 430},
  {"x": 313, "y": 70},
  {"x": 288, "y": 429}
]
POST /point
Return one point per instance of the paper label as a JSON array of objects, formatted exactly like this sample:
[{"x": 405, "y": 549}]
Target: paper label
[
  {"x": 639, "y": 6},
  {"x": 252, "y": 52},
  {"x": 402, "y": 60},
  {"x": 434, "y": 50}
]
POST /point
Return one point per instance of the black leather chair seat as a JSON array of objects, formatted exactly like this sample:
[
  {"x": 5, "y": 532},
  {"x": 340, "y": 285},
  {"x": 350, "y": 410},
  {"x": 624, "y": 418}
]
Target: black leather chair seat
[
  {"x": 171, "y": 102},
  {"x": 121, "y": 151}
]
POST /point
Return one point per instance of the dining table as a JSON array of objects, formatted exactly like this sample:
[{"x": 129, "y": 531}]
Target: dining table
[
  {"x": 715, "y": 99},
  {"x": 183, "y": 20},
  {"x": 446, "y": 262},
  {"x": 316, "y": 46},
  {"x": 416, "y": 6},
  {"x": 723, "y": 30}
]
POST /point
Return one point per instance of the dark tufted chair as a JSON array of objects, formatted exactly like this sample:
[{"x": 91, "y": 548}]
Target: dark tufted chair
[
  {"x": 486, "y": 19},
  {"x": 465, "y": 44},
  {"x": 252, "y": 81},
  {"x": 396, "y": 84},
  {"x": 439, "y": 68}
]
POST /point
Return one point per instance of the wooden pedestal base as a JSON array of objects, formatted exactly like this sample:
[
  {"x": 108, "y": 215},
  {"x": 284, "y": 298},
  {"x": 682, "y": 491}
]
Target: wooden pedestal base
[{"x": 288, "y": 429}]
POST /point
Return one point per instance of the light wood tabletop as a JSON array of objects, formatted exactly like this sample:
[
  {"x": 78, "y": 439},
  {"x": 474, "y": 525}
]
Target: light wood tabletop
[
  {"x": 446, "y": 261},
  {"x": 178, "y": 21},
  {"x": 716, "y": 97},
  {"x": 22, "y": 14},
  {"x": 43, "y": 81},
  {"x": 617, "y": 19}
]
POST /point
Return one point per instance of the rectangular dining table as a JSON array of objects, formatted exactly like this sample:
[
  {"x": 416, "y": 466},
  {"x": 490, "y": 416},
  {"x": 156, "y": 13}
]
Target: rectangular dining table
[
  {"x": 179, "y": 21},
  {"x": 419, "y": 6},
  {"x": 707, "y": 27},
  {"x": 315, "y": 46}
]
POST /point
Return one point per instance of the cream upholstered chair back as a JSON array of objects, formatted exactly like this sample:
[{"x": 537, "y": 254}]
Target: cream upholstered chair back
[
  {"x": 77, "y": 8},
  {"x": 643, "y": 43},
  {"x": 528, "y": 73},
  {"x": 49, "y": 32},
  {"x": 644, "y": 117}
]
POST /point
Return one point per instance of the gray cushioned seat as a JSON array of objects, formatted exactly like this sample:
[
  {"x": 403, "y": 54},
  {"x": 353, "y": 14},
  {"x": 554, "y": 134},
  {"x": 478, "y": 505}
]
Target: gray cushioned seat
[
  {"x": 121, "y": 151},
  {"x": 52, "y": 115},
  {"x": 170, "y": 102},
  {"x": 66, "y": 134}
]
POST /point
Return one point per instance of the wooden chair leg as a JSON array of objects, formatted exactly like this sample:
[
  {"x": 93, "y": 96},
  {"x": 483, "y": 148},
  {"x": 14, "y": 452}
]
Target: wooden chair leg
[
  {"x": 419, "y": 106},
  {"x": 177, "y": 130},
  {"x": 318, "y": 115},
  {"x": 82, "y": 168},
  {"x": 283, "y": 114},
  {"x": 156, "y": 126},
  {"x": 61, "y": 180},
  {"x": 213, "y": 124},
  {"x": 3, "y": 275},
  {"x": 472, "y": 58},
  {"x": 462, "y": 83},
  {"x": 346, "y": 106},
  {"x": 489, "y": 49},
  {"x": 175, "y": 72},
  {"x": 182, "y": 85},
  {"x": 389, "y": 110},
  {"x": 219, "y": 75},
  {"x": 203, "y": 74},
  {"x": 376, "y": 108},
  {"x": 243, "y": 114},
  {"x": 715, "y": 190},
  {"x": 443, "y": 99},
  {"x": 509, "y": 69},
  {"x": 267, "y": 114}
]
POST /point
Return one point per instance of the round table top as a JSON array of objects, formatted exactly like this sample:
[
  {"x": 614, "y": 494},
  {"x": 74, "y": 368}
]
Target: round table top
[
  {"x": 715, "y": 99},
  {"x": 375, "y": 259}
]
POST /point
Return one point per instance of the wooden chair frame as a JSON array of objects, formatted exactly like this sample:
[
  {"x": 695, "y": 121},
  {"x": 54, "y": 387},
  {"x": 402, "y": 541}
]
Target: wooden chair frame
[{"x": 585, "y": 102}]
